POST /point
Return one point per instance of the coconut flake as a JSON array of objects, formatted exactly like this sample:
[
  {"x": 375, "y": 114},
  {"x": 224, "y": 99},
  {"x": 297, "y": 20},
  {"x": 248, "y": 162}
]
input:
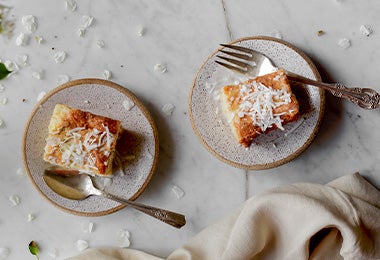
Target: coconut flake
[
  {"x": 62, "y": 79},
  {"x": 178, "y": 192},
  {"x": 30, "y": 23},
  {"x": 81, "y": 245},
  {"x": 81, "y": 32},
  {"x": 107, "y": 74},
  {"x": 366, "y": 30},
  {"x": 128, "y": 104},
  {"x": 2, "y": 88},
  {"x": 70, "y": 5},
  {"x": 41, "y": 95},
  {"x": 86, "y": 21},
  {"x": 37, "y": 73},
  {"x": 59, "y": 56},
  {"x": 160, "y": 67},
  {"x": 23, "y": 60},
  {"x": 11, "y": 66},
  {"x": 141, "y": 31},
  {"x": 39, "y": 39},
  {"x": 168, "y": 109},
  {"x": 15, "y": 200},
  {"x": 88, "y": 227},
  {"x": 21, "y": 172},
  {"x": 2, "y": 124},
  {"x": 31, "y": 217},
  {"x": 344, "y": 43},
  {"x": 124, "y": 238},
  {"x": 100, "y": 43},
  {"x": 3, "y": 100},
  {"x": 22, "y": 39}
]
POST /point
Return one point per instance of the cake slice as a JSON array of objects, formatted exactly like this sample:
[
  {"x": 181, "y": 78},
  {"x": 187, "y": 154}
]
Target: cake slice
[
  {"x": 259, "y": 105},
  {"x": 82, "y": 141}
]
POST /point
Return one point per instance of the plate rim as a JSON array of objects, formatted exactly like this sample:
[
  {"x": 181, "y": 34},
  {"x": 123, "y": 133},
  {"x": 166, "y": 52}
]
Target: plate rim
[
  {"x": 291, "y": 156},
  {"x": 124, "y": 91}
]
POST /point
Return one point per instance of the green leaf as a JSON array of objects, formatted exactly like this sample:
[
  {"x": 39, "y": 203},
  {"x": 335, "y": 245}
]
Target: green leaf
[
  {"x": 3, "y": 71},
  {"x": 33, "y": 248}
]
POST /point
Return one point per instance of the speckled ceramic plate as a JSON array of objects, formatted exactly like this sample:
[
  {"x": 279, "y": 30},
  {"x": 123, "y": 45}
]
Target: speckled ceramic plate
[
  {"x": 101, "y": 97},
  {"x": 269, "y": 150}
]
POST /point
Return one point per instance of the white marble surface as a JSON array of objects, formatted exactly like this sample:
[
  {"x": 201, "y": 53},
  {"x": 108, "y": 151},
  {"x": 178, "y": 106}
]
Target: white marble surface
[{"x": 180, "y": 34}]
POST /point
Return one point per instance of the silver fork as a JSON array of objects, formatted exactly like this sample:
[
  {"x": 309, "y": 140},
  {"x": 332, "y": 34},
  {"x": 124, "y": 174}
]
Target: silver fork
[{"x": 250, "y": 62}]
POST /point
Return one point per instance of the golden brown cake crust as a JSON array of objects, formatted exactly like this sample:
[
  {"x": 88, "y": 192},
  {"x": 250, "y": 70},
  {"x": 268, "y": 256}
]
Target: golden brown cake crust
[
  {"x": 243, "y": 126},
  {"x": 81, "y": 141}
]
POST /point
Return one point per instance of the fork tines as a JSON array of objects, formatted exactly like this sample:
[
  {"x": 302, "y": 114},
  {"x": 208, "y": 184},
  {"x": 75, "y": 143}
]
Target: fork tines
[{"x": 239, "y": 61}]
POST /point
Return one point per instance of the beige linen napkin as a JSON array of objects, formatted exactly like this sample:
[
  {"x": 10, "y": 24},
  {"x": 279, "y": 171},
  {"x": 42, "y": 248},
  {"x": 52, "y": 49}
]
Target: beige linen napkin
[{"x": 340, "y": 220}]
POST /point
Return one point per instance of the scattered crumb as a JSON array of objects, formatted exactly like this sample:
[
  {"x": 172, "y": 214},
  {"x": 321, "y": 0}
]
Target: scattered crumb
[
  {"x": 123, "y": 237},
  {"x": 4, "y": 252},
  {"x": 100, "y": 43},
  {"x": 81, "y": 245},
  {"x": 3, "y": 100},
  {"x": 15, "y": 200},
  {"x": 70, "y": 5},
  {"x": 168, "y": 109},
  {"x": 128, "y": 104},
  {"x": 160, "y": 67},
  {"x": 178, "y": 192},
  {"x": 22, "y": 39},
  {"x": 39, "y": 39},
  {"x": 107, "y": 74},
  {"x": 31, "y": 217},
  {"x": 366, "y": 30},
  {"x": 62, "y": 79},
  {"x": 88, "y": 227},
  {"x": 320, "y": 33},
  {"x": 86, "y": 21},
  {"x": 41, "y": 95},
  {"x": 276, "y": 34},
  {"x": 24, "y": 100},
  {"x": 59, "y": 56},
  {"x": 30, "y": 23},
  {"x": 54, "y": 253}
]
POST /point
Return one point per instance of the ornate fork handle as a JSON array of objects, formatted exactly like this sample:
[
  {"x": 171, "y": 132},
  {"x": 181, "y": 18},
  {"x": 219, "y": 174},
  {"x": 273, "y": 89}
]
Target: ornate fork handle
[{"x": 364, "y": 97}]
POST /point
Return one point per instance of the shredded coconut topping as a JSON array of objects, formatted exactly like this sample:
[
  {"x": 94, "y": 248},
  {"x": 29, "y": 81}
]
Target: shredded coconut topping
[
  {"x": 77, "y": 149},
  {"x": 258, "y": 102}
]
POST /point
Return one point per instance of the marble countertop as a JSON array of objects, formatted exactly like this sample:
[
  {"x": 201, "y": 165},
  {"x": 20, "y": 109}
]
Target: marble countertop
[{"x": 138, "y": 35}]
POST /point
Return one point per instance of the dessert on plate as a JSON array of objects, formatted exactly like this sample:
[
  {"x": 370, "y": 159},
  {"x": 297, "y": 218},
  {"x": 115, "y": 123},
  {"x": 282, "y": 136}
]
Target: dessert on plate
[
  {"x": 259, "y": 105},
  {"x": 80, "y": 140}
]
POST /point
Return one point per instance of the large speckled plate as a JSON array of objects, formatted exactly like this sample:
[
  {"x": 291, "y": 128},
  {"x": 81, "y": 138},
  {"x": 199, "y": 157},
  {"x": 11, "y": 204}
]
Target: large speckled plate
[
  {"x": 269, "y": 150},
  {"x": 138, "y": 152}
]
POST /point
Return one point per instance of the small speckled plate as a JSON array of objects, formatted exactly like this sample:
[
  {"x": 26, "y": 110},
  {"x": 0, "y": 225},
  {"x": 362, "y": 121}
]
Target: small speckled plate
[
  {"x": 108, "y": 99},
  {"x": 274, "y": 148}
]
